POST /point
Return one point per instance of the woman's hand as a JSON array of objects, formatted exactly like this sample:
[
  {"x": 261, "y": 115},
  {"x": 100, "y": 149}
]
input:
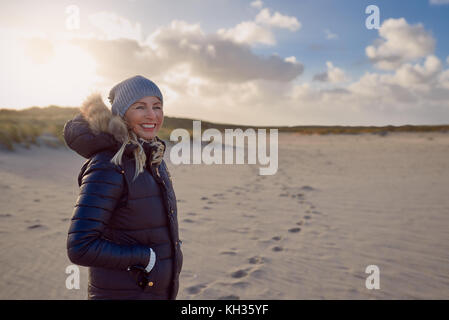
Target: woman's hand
[{"x": 140, "y": 276}]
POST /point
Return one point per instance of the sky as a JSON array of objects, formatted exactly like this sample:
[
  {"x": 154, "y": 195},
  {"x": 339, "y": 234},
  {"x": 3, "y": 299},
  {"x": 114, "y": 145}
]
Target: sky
[{"x": 267, "y": 63}]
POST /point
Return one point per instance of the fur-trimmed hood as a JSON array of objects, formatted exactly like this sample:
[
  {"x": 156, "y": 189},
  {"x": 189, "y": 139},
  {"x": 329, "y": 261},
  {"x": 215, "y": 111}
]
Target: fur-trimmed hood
[{"x": 96, "y": 129}]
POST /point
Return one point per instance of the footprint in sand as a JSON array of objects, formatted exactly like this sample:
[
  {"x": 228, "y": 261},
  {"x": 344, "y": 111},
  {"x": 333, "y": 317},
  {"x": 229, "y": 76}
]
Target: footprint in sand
[
  {"x": 188, "y": 220},
  {"x": 239, "y": 273},
  {"x": 258, "y": 274},
  {"x": 241, "y": 284},
  {"x": 196, "y": 289},
  {"x": 230, "y": 297},
  {"x": 35, "y": 226},
  {"x": 257, "y": 260},
  {"x": 277, "y": 249},
  {"x": 307, "y": 217},
  {"x": 299, "y": 223},
  {"x": 241, "y": 230},
  {"x": 294, "y": 230},
  {"x": 231, "y": 253},
  {"x": 277, "y": 238},
  {"x": 204, "y": 198},
  {"x": 207, "y": 208},
  {"x": 191, "y": 213},
  {"x": 5, "y": 215},
  {"x": 308, "y": 188}
]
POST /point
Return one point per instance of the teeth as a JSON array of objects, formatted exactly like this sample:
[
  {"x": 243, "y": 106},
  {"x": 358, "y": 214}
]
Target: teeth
[{"x": 148, "y": 125}]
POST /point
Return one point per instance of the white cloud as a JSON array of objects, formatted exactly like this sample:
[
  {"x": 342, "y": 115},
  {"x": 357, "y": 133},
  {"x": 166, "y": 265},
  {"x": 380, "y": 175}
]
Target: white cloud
[
  {"x": 186, "y": 28},
  {"x": 415, "y": 93},
  {"x": 335, "y": 74},
  {"x": 209, "y": 56},
  {"x": 443, "y": 79},
  {"x": 399, "y": 43},
  {"x": 330, "y": 35},
  {"x": 257, "y": 4},
  {"x": 413, "y": 84},
  {"x": 278, "y": 20},
  {"x": 114, "y": 26},
  {"x": 291, "y": 59},
  {"x": 211, "y": 50},
  {"x": 259, "y": 30},
  {"x": 248, "y": 32},
  {"x": 408, "y": 75},
  {"x": 437, "y": 2},
  {"x": 332, "y": 75}
]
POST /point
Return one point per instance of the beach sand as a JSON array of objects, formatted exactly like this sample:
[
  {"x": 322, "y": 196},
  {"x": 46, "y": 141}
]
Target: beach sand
[{"x": 337, "y": 204}]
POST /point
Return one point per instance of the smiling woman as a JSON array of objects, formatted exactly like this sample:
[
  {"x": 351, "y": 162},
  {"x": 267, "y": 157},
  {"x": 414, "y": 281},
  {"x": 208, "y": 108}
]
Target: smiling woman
[
  {"x": 124, "y": 226},
  {"x": 145, "y": 117}
]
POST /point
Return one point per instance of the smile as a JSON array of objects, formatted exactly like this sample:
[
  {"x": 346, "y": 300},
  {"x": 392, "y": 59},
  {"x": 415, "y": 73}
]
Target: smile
[{"x": 148, "y": 126}]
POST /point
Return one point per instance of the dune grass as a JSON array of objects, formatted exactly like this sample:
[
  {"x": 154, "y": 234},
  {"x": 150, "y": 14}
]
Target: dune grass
[{"x": 27, "y": 127}]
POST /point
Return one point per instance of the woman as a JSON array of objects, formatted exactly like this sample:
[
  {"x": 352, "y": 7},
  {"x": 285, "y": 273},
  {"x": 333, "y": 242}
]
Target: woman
[{"x": 124, "y": 225}]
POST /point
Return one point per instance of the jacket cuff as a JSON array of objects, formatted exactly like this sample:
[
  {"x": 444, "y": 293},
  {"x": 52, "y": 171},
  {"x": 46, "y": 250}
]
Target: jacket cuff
[{"x": 152, "y": 262}]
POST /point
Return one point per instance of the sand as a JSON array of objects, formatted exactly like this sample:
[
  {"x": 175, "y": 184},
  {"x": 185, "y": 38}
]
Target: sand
[{"x": 337, "y": 204}]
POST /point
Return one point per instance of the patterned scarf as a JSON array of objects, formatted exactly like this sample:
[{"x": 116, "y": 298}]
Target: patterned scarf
[{"x": 154, "y": 150}]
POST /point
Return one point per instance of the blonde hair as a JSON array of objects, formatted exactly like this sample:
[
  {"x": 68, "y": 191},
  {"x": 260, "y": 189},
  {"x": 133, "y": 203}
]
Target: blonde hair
[{"x": 139, "y": 153}]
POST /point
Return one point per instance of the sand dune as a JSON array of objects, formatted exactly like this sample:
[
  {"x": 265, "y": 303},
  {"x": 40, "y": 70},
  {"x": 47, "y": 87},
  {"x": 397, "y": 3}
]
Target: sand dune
[{"x": 337, "y": 204}]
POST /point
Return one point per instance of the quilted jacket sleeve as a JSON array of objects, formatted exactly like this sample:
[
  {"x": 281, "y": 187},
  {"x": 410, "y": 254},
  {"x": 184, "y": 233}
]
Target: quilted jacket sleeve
[{"x": 101, "y": 186}]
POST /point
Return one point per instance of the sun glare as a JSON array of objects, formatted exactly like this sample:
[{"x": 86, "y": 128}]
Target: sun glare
[{"x": 49, "y": 73}]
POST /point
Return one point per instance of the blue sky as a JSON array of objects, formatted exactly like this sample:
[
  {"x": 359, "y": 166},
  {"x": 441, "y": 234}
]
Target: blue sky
[
  {"x": 266, "y": 62},
  {"x": 347, "y": 19}
]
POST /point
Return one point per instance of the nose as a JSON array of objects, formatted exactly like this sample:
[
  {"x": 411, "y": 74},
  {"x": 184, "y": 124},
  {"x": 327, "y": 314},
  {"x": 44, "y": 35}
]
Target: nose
[{"x": 150, "y": 114}]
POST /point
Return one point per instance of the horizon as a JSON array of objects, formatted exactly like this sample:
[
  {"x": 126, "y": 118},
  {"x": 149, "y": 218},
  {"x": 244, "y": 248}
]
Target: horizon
[
  {"x": 252, "y": 126},
  {"x": 260, "y": 63}
]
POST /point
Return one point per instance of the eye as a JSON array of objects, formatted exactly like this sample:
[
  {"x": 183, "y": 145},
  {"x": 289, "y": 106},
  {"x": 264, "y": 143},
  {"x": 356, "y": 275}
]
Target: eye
[
  {"x": 157, "y": 107},
  {"x": 139, "y": 107}
]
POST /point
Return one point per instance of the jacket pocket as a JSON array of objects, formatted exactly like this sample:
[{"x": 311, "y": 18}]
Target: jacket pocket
[{"x": 160, "y": 276}]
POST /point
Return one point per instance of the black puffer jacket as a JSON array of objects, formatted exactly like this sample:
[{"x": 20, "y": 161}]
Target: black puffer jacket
[{"x": 116, "y": 220}]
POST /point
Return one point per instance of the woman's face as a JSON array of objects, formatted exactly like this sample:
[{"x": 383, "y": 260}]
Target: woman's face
[{"x": 145, "y": 117}]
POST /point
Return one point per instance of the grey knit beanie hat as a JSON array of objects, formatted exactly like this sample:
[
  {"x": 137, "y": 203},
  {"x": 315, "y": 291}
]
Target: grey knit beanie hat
[{"x": 125, "y": 93}]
